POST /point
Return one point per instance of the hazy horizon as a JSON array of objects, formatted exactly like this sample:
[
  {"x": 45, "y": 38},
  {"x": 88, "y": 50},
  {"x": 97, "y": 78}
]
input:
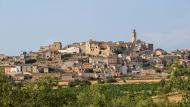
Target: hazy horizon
[{"x": 27, "y": 25}]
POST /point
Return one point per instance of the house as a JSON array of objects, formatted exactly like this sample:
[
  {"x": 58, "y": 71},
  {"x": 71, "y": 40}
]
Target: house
[
  {"x": 21, "y": 58},
  {"x": 135, "y": 71},
  {"x": 50, "y": 55},
  {"x": 36, "y": 76},
  {"x": 170, "y": 58},
  {"x": 46, "y": 54},
  {"x": 118, "y": 48},
  {"x": 86, "y": 65},
  {"x": 16, "y": 76},
  {"x": 70, "y": 50},
  {"x": 124, "y": 70},
  {"x": 92, "y": 48},
  {"x": 104, "y": 50},
  {"x": 43, "y": 48},
  {"x": 149, "y": 46},
  {"x": 2, "y": 57},
  {"x": 18, "y": 59},
  {"x": 184, "y": 61},
  {"x": 66, "y": 77},
  {"x": 96, "y": 60},
  {"x": 114, "y": 60},
  {"x": 29, "y": 68},
  {"x": 88, "y": 75},
  {"x": 32, "y": 54},
  {"x": 96, "y": 48},
  {"x": 53, "y": 47},
  {"x": 155, "y": 60},
  {"x": 76, "y": 69},
  {"x": 44, "y": 69},
  {"x": 140, "y": 46},
  {"x": 8, "y": 69},
  {"x": 160, "y": 52}
]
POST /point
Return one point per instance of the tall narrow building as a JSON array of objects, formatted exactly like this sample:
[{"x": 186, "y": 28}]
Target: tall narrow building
[{"x": 134, "y": 36}]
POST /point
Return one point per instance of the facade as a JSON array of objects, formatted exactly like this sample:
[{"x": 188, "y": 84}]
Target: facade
[
  {"x": 8, "y": 69},
  {"x": 88, "y": 75},
  {"x": 159, "y": 52},
  {"x": 114, "y": 60},
  {"x": 66, "y": 77},
  {"x": 29, "y": 68},
  {"x": 170, "y": 58},
  {"x": 150, "y": 47},
  {"x": 49, "y": 54},
  {"x": 95, "y": 48},
  {"x": 2, "y": 57},
  {"x": 44, "y": 48},
  {"x": 134, "y": 36},
  {"x": 53, "y": 47},
  {"x": 70, "y": 50}
]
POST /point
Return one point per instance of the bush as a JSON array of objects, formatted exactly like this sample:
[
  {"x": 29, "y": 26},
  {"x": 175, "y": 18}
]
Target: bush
[
  {"x": 100, "y": 81},
  {"x": 162, "y": 83},
  {"x": 84, "y": 83},
  {"x": 79, "y": 83},
  {"x": 124, "y": 81},
  {"x": 111, "y": 80},
  {"x": 73, "y": 83}
]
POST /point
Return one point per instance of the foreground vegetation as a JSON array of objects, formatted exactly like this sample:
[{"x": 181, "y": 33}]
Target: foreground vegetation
[{"x": 45, "y": 92}]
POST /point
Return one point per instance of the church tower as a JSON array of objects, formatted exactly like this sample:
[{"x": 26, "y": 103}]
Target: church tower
[{"x": 134, "y": 36}]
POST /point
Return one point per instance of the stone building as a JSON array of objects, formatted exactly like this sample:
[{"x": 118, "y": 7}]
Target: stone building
[
  {"x": 96, "y": 48},
  {"x": 29, "y": 68},
  {"x": 53, "y": 47},
  {"x": 159, "y": 52},
  {"x": 134, "y": 36}
]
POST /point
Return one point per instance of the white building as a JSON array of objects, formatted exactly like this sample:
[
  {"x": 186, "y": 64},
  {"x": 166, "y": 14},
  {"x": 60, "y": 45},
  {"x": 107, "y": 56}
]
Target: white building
[
  {"x": 123, "y": 70},
  {"x": 15, "y": 69},
  {"x": 70, "y": 50}
]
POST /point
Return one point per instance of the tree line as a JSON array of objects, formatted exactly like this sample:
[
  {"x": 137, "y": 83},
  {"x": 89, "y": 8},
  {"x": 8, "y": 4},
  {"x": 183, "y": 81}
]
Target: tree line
[{"x": 45, "y": 92}]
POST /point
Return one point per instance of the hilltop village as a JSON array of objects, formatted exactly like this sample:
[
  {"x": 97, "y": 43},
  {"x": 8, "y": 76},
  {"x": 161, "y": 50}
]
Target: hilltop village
[{"x": 93, "y": 60}]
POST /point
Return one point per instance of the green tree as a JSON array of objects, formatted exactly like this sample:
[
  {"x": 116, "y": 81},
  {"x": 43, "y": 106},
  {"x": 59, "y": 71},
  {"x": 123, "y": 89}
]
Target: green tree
[
  {"x": 179, "y": 82},
  {"x": 94, "y": 97},
  {"x": 5, "y": 90}
]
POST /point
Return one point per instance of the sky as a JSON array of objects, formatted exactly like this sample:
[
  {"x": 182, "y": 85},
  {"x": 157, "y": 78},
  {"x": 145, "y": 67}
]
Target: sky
[{"x": 25, "y": 25}]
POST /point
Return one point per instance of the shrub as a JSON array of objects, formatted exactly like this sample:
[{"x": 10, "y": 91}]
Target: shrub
[
  {"x": 73, "y": 83},
  {"x": 84, "y": 83},
  {"x": 100, "y": 81},
  {"x": 79, "y": 83},
  {"x": 111, "y": 80}
]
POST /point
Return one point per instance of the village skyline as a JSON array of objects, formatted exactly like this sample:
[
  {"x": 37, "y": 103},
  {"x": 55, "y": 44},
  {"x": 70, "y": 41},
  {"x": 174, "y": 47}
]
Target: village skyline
[{"x": 66, "y": 43}]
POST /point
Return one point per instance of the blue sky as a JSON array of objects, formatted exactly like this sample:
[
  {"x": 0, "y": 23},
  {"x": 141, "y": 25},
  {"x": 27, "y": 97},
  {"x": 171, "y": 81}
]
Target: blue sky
[{"x": 27, "y": 24}]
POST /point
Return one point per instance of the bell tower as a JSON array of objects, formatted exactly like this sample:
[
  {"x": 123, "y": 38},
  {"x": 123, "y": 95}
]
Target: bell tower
[{"x": 134, "y": 36}]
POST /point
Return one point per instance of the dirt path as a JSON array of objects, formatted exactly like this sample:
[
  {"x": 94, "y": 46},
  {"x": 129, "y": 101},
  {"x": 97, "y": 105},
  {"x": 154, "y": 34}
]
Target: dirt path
[
  {"x": 139, "y": 81},
  {"x": 176, "y": 97},
  {"x": 122, "y": 82}
]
